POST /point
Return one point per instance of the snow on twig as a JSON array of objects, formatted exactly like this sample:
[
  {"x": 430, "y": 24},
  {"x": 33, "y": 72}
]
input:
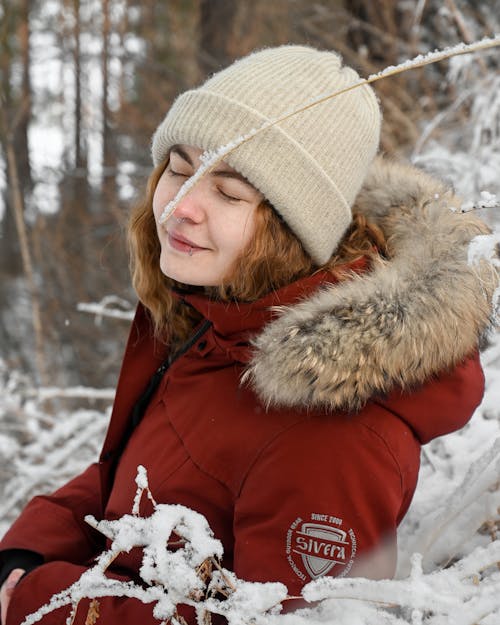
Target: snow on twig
[
  {"x": 437, "y": 55},
  {"x": 103, "y": 308},
  {"x": 485, "y": 200},
  {"x": 59, "y": 447},
  {"x": 73, "y": 392},
  {"x": 191, "y": 575},
  {"x": 172, "y": 576},
  {"x": 211, "y": 158},
  {"x": 448, "y": 596},
  {"x": 142, "y": 485},
  {"x": 441, "y": 533}
]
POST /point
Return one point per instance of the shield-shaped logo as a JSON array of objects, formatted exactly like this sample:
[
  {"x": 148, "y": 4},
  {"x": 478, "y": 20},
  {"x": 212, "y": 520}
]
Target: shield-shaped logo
[{"x": 321, "y": 548}]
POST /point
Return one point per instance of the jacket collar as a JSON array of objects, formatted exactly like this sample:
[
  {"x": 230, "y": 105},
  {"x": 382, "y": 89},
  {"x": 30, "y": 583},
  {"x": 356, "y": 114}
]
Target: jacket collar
[{"x": 237, "y": 321}]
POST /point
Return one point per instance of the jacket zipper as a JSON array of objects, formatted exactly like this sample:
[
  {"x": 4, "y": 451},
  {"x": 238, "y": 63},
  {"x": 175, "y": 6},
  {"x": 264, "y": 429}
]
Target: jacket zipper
[
  {"x": 139, "y": 408},
  {"x": 142, "y": 403}
]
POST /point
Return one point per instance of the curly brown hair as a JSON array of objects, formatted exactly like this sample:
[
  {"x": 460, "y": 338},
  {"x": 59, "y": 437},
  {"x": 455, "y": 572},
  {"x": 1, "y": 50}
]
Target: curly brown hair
[{"x": 274, "y": 259}]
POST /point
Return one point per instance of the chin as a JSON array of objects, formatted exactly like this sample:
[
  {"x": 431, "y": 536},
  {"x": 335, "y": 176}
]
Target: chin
[
  {"x": 190, "y": 271},
  {"x": 190, "y": 278}
]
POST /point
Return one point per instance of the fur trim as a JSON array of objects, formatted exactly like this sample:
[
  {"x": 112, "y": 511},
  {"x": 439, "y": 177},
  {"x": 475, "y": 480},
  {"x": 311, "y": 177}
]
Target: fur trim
[{"x": 414, "y": 315}]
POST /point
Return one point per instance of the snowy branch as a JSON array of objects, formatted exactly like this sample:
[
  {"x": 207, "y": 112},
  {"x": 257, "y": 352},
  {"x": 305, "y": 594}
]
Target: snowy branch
[
  {"x": 448, "y": 596},
  {"x": 190, "y": 574},
  {"x": 73, "y": 392},
  {"x": 172, "y": 576},
  {"x": 104, "y": 308}
]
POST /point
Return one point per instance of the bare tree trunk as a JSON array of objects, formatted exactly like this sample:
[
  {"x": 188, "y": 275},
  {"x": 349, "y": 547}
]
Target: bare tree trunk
[
  {"x": 216, "y": 25},
  {"x": 106, "y": 27},
  {"x": 21, "y": 136},
  {"x": 109, "y": 157},
  {"x": 123, "y": 29},
  {"x": 14, "y": 117},
  {"x": 183, "y": 20},
  {"x": 79, "y": 158},
  {"x": 18, "y": 207},
  {"x": 10, "y": 260}
]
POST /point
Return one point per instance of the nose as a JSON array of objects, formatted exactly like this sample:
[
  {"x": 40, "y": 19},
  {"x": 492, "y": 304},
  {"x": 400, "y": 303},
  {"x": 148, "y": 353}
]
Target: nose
[{"x": 191, "y": 206}]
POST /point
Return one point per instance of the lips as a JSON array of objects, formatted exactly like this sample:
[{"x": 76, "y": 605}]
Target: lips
[{"x": 182, "y": 243}]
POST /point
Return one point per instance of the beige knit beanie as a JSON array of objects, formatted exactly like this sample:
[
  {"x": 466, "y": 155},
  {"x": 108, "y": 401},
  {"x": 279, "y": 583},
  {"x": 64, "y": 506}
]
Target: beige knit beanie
[{"x": 310, "y": 166}]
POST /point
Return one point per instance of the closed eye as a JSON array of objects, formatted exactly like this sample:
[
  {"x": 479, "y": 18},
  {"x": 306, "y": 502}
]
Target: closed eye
[
  {"x": 226, "y": 196},
  {"x": 174, "y": 173}
]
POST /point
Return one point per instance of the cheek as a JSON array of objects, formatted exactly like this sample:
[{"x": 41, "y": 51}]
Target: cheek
[
  {"x": 248, "y": 229},
  {"x": 235, "y": 236},
  {"x": 158, "y": 202},
  {"x": 162, "y": 196}
]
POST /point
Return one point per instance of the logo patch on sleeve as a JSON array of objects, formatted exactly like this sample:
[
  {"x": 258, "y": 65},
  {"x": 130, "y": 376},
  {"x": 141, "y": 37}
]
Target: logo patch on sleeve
[{"x": 317, "y": 545}]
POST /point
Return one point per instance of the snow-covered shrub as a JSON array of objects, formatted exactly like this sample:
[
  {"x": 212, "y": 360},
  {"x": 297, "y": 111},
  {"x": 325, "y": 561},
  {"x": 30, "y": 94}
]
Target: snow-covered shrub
[
  {"x": 462, "y": 143},
  {"x": 191, "y": 574},
  {"x": 40, "y": 451},
  {"x": 188, "y": 574}
]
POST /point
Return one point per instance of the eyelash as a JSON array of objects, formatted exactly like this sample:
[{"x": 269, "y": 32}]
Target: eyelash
[
  {"x": 171, "y": 172},
  {"x": 230, "y": 198}
]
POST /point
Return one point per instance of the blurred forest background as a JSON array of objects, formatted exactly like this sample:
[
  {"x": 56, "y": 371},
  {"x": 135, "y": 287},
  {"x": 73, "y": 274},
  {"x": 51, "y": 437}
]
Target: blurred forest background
[{"x": 85, "y": 82}]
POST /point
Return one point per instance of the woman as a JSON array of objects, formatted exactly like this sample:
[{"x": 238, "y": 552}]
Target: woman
[{"x": 296, "y": 431}]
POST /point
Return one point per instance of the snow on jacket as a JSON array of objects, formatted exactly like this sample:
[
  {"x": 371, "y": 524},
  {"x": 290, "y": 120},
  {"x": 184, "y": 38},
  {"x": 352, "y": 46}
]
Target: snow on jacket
[{"x": 307, "y": 466}]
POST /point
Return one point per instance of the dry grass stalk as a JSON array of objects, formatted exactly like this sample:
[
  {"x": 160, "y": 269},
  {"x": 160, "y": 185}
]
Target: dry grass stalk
[
  {"x": 72, "y": 615},
  {"x": 106, "y": 567},
  {"x": 229, "y": 586},
  {"x": 463, "y": 28},
  {"x": 92, "y": 613},
  {"x": 207, "y": 618},
  {"x": 178, "y": 618},
  {"x": 211, "y": 160},
  {"x": 204, "y": 571}
]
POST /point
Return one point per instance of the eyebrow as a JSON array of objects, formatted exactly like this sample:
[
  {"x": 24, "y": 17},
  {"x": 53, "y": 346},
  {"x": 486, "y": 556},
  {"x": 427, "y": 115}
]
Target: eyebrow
[{"x": 222, "y": 173}]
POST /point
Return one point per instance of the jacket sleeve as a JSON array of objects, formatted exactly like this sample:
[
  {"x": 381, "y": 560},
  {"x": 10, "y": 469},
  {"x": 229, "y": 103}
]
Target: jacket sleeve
[
  {"x": 53, "y": 525},
  {"x": 18, "y": 559},
  {"x": 442, "y": 405},
  {"x": 325, "y": 498}
]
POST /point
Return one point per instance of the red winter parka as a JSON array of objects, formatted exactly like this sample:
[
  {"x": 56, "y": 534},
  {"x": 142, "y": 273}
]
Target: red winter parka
[{"x": 306, "y": 467}]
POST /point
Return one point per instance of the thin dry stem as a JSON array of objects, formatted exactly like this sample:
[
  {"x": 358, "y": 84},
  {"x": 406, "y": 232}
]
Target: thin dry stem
[
  {"x": 204, "y": 571},
  {"x": 228, "y": 582},
  {"x": 180, "y": 619},
  {"x": 463, "y": 28},
  {"x": 72, "y": 615},
  {"x": 112, "y": 560},
  {"x": 417, "y": 62},
  {"x": 92, "y": 613}
]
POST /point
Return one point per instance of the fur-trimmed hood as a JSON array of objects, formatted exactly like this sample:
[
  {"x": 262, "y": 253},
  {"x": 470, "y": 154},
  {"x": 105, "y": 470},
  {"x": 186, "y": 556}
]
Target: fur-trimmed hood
[{"x": 417, "y": 313}]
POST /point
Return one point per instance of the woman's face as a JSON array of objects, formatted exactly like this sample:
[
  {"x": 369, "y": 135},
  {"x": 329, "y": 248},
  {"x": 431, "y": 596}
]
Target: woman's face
[{"x": 210, "y": 226}]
